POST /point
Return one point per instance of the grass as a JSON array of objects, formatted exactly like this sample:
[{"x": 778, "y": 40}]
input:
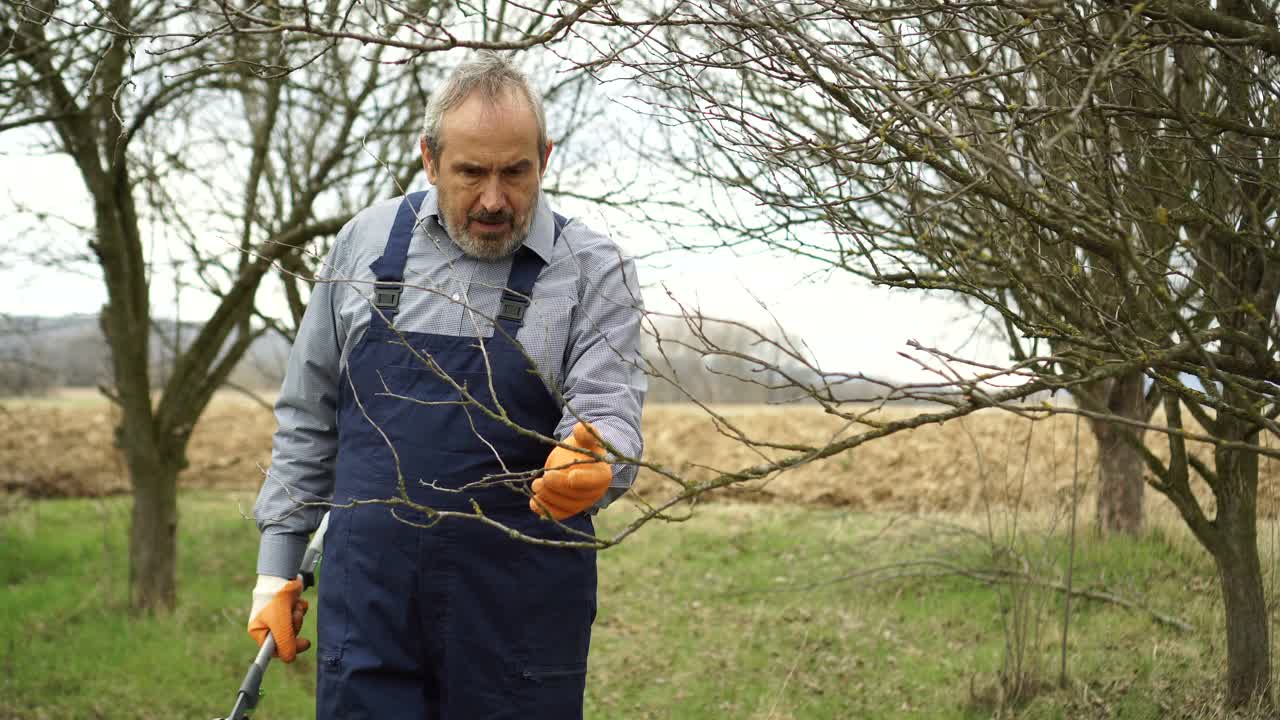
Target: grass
[{"x": 761, "y": 612}]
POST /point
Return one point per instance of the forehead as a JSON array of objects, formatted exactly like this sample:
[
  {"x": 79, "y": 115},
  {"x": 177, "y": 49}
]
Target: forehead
[{"x": 501, "y": 130}]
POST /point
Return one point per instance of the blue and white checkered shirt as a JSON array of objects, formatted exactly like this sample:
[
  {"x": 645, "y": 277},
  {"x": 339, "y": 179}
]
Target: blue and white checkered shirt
[{"x": 582, "y": 331}]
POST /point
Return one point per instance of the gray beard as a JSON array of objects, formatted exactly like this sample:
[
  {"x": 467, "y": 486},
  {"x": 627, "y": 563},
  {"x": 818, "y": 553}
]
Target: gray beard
[{"x": 484, "y": 249}]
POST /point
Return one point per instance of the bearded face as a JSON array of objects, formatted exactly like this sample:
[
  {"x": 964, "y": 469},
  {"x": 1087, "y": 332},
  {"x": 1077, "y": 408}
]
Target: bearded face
[
  {"x": 485, "y": 234},
  {"x": 487, "y": 174}
]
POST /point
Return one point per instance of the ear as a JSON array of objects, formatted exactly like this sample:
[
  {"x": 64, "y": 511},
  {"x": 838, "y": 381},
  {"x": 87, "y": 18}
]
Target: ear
[
  {"x": 546, "y": 157},
  {"x": 428, "y": 162}
]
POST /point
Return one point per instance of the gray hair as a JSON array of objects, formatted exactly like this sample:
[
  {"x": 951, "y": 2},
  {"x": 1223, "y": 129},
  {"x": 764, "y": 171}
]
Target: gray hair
[{"x": 491, "y": 75}]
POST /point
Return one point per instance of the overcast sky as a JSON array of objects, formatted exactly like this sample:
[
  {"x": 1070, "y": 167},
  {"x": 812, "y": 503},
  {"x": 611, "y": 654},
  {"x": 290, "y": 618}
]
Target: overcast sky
[{"x": 849, "y": 325}]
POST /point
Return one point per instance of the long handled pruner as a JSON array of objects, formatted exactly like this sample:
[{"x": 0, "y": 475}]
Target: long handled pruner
[{"x": 250, "y": 689}]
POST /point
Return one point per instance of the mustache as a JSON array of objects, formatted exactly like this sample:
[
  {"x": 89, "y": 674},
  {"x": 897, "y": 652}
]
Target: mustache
[{"x": 497, "y": 218}]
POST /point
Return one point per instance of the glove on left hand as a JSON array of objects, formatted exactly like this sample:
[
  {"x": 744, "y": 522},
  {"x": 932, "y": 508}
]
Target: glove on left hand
[
  {"x": 282, "y": 617},
  {"x": 572, "y": 481}
]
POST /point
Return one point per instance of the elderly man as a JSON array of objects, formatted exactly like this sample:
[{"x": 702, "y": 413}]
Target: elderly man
[{"x": 456, "y": 334}]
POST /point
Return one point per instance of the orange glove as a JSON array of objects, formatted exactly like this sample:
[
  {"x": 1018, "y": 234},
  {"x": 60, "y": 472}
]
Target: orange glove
[
  {"x": 282, "y": 616},
  {"x": 572, "y": 481}
]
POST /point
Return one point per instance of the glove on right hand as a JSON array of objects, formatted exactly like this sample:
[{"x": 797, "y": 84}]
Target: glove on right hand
[
  {"x": 572, "y": 481},
  {"x": 281, "y": 615}
]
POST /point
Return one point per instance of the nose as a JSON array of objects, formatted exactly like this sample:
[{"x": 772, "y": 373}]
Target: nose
[{"x": 492, "y": 199}]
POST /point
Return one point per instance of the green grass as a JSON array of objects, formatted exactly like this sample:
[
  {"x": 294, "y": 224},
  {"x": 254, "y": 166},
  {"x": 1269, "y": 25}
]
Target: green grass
[{"x": 742, "y": 612}]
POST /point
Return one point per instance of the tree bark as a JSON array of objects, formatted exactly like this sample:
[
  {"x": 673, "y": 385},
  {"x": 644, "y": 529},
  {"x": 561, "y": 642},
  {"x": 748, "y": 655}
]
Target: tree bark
[
  {"x": 153, "y": 535},
  {"x": 1248, "y": 636},
  {"x": 1121, "y": 486},
  {"x": 1240, "y": 570}
]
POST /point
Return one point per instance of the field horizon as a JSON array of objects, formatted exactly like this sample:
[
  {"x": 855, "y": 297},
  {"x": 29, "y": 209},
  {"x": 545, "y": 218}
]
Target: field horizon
[{"x": 61, "y": 446}]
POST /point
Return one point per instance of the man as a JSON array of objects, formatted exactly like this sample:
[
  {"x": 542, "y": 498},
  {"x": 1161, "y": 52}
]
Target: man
[{"x": 457, "y": 333}]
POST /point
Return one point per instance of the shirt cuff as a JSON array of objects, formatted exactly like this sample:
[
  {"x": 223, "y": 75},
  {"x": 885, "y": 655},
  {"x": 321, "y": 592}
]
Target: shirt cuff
[
  {"x": 623, "y": 474},
  {"x": 280, "y": 554}
]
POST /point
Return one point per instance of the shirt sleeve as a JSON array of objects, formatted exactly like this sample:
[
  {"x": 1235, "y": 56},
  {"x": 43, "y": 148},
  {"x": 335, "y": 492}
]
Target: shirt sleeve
[
  {"x": 604, "y": 382},
  {"x": 305, "y": 444}
]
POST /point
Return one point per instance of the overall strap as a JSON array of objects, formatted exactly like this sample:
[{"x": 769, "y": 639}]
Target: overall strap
[
  {"x": 525, "y": 267},
  {"x": 388, "y": 270}
]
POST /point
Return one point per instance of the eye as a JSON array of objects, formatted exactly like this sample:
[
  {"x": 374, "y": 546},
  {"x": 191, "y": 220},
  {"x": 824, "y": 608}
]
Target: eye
[
  {"x": 472, "y": 172},
  {"x": 514, "y": 172}
]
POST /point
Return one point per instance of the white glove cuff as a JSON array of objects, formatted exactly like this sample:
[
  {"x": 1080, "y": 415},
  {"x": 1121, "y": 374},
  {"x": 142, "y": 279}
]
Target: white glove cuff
[{"x": 267, "y": 587}]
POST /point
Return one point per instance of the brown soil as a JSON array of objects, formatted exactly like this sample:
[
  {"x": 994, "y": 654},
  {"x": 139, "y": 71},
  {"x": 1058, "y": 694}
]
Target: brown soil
[
  {"x": 63, "y": 447},
  {"x": 989, "y": 458}
]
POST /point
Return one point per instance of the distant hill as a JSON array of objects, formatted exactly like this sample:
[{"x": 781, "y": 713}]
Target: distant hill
[
  {"x": 38, "y": 353},
  {"x": 70, "y": 351}
]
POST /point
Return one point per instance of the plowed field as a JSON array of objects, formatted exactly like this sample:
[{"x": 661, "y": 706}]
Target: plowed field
[{"x": 63, "y": 446}]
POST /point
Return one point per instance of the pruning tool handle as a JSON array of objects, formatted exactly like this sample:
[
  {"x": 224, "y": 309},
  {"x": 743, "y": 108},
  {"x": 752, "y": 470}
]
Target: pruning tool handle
[{"x": 251, "y": 687}]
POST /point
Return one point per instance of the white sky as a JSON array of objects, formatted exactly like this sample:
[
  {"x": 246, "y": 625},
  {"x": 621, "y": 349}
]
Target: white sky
[{"x": 848, "y": 325}]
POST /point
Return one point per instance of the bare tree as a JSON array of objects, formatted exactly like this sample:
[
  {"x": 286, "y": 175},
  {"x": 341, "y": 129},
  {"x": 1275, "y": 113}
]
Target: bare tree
[
  {"x": 172, "y": 116},
  {"x": 235, "y": 138},
  {"x": 1104, "y": 177}
]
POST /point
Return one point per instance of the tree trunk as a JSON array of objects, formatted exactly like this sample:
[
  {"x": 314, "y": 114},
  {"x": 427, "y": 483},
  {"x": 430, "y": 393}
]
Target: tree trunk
[
  {"x": 1120, "y": 483},
  {"x": 1248, "y": 638},
  {"x": 1240, "y": 570},
  {"x": 153, "y": 535}
]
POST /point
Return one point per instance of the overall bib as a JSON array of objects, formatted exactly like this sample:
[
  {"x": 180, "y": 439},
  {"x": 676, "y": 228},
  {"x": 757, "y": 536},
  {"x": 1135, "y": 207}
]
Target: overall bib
[{"x": 455, "y": 621}]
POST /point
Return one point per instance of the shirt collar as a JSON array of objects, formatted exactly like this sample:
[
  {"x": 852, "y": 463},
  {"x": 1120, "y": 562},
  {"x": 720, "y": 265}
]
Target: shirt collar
[{"x": 540, "y": 239}]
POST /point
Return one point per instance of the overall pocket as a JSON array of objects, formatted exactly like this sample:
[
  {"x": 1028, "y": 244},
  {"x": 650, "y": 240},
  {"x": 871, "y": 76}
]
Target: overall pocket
[
  {"x": 554, "y": 673},
  {"x": 332, "y": 621}
]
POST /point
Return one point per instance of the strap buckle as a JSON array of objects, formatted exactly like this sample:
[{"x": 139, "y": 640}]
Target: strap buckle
[
  {"x": 513, "y": 307},
  {"x": 386, "y": 296}
]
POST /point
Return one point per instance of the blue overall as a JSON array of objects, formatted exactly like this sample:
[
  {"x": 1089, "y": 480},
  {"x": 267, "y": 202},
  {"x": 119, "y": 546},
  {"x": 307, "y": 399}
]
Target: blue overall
[{"x": 455, "y": 621}]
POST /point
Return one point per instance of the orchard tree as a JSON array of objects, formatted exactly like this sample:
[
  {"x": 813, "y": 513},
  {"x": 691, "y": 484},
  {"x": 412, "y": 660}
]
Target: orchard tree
[
  {"x": 218, "y": 134},
  {"x": 1103, "y": 177}
]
